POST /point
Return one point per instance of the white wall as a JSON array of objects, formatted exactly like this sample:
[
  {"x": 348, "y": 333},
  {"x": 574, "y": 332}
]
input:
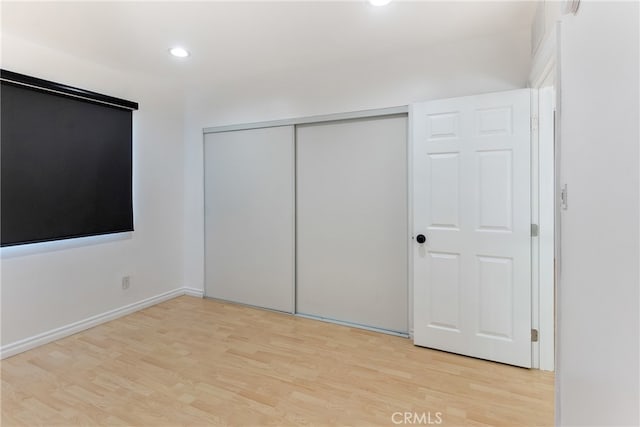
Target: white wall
[
  {"x": 598, "y": 324},
  {"x": 44, "y": 289},
  {"x": 460, "y": 68}
]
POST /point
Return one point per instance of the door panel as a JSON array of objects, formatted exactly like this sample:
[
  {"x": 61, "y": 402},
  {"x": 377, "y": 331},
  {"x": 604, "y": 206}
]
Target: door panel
[
  {"x": 471, "y": 197},
  {"x": 351, "y": 221},
  {"x": 444, "y": 295},
  {"x": 249, "y": 217}
]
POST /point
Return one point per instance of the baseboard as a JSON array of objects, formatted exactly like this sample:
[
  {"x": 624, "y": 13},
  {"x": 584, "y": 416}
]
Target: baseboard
[
  {"x": 14, "y": 348},
  {"x": 193, "y": 292}
]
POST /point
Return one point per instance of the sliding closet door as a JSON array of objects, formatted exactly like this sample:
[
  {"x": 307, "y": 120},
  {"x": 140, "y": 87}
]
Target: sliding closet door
[
  {"x": 352, "y": 221},
  {"x": 249, "y": 217}
]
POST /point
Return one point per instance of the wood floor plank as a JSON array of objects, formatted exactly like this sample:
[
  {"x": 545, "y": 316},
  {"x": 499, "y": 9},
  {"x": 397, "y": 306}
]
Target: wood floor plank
[{"x": 193, "y": 361}]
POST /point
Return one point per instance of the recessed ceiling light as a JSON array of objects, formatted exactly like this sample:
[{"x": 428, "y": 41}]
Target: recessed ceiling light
[
  {"x": 379, "y": 2},
  {"x": 179, "y": 52}
]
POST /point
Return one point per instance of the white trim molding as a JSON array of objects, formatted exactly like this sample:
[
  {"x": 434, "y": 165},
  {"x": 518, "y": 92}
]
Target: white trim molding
[
  {"x": 570, "y": 6},
  {"x": 544, "y": 60},
  {"x": 402, "y": 109},
  {"x": 20, "y": 346},
  {"x": 193, "y": 292}
]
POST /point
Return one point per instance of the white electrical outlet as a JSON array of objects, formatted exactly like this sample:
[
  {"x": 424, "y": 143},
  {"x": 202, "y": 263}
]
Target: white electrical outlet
[{"x": 126, "y": 282}]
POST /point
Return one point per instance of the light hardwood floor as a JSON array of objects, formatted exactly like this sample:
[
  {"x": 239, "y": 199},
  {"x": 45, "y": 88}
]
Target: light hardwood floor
[{"x": 191, "y": 361}]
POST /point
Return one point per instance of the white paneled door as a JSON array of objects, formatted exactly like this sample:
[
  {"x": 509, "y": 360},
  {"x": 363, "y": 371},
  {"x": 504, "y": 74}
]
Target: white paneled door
[{"x": 472, "y": 225}]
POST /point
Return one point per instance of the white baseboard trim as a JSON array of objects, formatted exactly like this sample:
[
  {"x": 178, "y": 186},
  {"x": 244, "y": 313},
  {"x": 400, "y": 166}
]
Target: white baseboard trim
[
  {"x": 20, "y": 346},
  {"x": 193, "y": 292}
]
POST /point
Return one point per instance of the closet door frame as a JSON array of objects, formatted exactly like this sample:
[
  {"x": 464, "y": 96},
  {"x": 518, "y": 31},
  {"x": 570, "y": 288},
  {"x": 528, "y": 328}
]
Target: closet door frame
[{"x": 363, "y": 114}]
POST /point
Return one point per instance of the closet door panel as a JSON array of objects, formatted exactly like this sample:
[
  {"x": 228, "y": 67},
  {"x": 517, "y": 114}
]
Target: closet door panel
[
  {"x": 249, "y": 217},
  {"x": 352, "y": 221}
]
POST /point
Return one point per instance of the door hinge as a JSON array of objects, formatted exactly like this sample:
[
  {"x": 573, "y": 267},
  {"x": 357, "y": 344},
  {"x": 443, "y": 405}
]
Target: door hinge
[
  {"x": 534, "y": 335},
  {"x": 534, "y": 122},
  {"x": 534, "y": 230}
]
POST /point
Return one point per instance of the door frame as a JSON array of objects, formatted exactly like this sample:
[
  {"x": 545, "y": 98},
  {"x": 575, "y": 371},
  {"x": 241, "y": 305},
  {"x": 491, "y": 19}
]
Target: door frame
[
  {"x": 401, "y": 110},
  {"x": 543, "y": 291},
  {"x": 543, "y": 82},
  {"x": 544, "y": 75}
]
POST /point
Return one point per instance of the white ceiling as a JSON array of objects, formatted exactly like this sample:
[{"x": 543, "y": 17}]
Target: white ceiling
[{"x": 232, "y": 40}]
